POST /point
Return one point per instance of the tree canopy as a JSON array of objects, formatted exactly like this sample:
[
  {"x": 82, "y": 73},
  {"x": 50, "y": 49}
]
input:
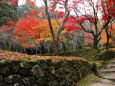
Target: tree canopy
[{"x": 7, "y": 12}]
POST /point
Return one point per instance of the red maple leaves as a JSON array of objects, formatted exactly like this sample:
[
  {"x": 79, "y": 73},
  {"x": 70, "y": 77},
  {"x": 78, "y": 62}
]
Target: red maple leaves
[
  {"x": 71, "y": 25},
  {"x": 13, "y": 2}
]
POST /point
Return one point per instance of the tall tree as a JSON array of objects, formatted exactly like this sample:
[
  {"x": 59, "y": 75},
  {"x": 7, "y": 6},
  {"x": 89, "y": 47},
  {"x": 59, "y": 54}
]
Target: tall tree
[
  {"x": 7, "y": 13},
  {"x": 89, "y": 11},
  {"x": 51, "y": 7},
  {"x": 108, "y": 14},
  {"x": 60, "y": 15}
]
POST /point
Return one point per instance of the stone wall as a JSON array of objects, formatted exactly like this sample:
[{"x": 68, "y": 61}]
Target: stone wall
[{"x": 43, "y": 73}]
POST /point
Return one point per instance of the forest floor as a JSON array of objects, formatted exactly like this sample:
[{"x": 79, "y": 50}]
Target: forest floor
[
  {"x": 107, "y": 71},
  {"x": 15, "y": 56}
]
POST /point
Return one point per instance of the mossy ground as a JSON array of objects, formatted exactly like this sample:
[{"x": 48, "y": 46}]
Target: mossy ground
[
  {"x": 90, "y": 79},
  {"x": 89, "y": 54}
]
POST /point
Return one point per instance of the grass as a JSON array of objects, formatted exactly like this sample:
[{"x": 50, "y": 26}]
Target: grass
[
  {"x": 89, "y": 54},
  {"x": 8, "y": 53},
  {"x": 90, "y": 79}
]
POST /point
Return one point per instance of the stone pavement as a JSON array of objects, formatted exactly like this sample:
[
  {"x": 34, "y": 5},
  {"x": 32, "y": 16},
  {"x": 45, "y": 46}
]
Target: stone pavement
[{"x": 109, "y": 73}]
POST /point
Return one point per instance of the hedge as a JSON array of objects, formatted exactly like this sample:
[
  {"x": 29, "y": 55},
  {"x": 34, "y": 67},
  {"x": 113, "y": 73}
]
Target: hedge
[{"x": 43, "y": 72}]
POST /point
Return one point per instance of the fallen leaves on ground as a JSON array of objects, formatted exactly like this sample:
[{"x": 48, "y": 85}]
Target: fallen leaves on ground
[{"x": 15, "y": 56}]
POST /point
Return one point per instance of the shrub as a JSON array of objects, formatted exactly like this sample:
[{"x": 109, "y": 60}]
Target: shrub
[{"x": 107, "y": 55}]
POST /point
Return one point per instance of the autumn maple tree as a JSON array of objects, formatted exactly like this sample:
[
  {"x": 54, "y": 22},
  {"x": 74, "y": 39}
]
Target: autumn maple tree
[
  {"x": 58, "y": 16},
  {"x": 108, "y": 15},
  {"x": 93, "y": 16},
  {"x": 32, "y": 29},
  {"x": 26, "y": 29}
]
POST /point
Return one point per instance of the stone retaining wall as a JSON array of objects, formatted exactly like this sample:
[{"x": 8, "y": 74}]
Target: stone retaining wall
[{"x": 43, "y": 73}]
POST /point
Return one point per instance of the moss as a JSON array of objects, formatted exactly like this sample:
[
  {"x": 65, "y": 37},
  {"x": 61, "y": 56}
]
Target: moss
[
  {"x": 26, "y": 65},
  {"x": 52, "y": 83},
  {"x": 5, "y": 84},
  {"x": 89, "y": 54},
  {"x": 24, "y": 72},
  {"x": 8, "y": 53},
  {"x": 49, "y": 73},
  {"x": 4, "y": 70},
  {"x": 42, "y": 81},
  {"x": 90, "y": 79},
  {"x": 31, "y": 79},
  {"x": 25, "y": 58},
  {"x": 18, "y": 84},
  {"x": 107, "y": 55}
]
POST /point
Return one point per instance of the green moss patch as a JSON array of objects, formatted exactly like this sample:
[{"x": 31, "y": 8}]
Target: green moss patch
[{"x": 90, "y": 79}]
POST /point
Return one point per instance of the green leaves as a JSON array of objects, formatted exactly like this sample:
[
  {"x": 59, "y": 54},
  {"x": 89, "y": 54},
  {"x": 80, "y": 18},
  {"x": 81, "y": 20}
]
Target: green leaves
[{"x": 7, "y": 13}]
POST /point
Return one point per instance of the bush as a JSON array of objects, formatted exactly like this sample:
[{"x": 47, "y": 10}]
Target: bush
[
  {"x": 107, "y": 55},
  {"x": 43, "y": 72}
]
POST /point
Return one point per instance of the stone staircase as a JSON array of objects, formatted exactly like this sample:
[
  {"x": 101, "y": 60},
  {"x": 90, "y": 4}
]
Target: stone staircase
[
  {"x": 108, "y": 72},
  {"x": 109, "y": 68}
]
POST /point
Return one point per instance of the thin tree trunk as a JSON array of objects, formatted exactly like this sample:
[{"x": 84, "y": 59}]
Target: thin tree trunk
[
  {"x": 56, "y": 44},
  {"x": 96, "y": 41},
  {"x": 108, "y": 38},
  {"x": 64, "y": 48},
  {"x": 50, "y": 25}
]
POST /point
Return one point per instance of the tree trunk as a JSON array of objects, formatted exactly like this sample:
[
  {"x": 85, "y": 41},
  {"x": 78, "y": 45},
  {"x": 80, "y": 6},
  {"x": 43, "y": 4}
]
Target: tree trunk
[
  {"x": 64, "y": 48},
  {"x": 56, "y": 45},
  {"x": 96, "y": 41},
  {"x": 108, "y": 38},
  {"x": 108, "y": 35},
  {"x": 50, "y": 25}
]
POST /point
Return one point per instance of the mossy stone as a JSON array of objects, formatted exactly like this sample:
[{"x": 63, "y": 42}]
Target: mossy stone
[
  {"x": 44, "y": 66},
  {"x": 15, "y": 68},
  {"x": 26, "y": 65},
  {"x": 13, "y": 79},
  {"x": 24, "y": 72},
  {"x": 42, "y": 82},
  {"x": 4, "y": 84},
  {"x": 5, "y": 70},
  {"x": 18, "y": 84},
  {"x": 1, "y": 78},
  {"x": 52, "y": 83}
]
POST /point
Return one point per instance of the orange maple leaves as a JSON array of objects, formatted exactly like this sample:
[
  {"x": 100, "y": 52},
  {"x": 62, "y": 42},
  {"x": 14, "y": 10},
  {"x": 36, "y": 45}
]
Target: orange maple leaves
[{"x": 31, "y": 29}]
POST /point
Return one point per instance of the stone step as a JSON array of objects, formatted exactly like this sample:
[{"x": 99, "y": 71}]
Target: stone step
[
  {"x": 112, "y": 62},
  {"x": 102, "y": 84},
  {"x": 107, "y": 67},
  {"x": 105, "y": 81},
  {"x": 111, "y": 66},
  {"x": 109, "y": 76},
  {"x": 108, "y": 70},
  {"x": 103, "y": 66}
]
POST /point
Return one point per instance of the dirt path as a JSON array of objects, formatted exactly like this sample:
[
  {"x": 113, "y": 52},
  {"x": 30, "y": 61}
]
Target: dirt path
[{"x": 109, "y": 73}]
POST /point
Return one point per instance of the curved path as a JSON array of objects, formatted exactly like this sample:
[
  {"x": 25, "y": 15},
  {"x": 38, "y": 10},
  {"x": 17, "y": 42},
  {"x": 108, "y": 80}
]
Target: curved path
[{"x": 109, "y": 73}]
